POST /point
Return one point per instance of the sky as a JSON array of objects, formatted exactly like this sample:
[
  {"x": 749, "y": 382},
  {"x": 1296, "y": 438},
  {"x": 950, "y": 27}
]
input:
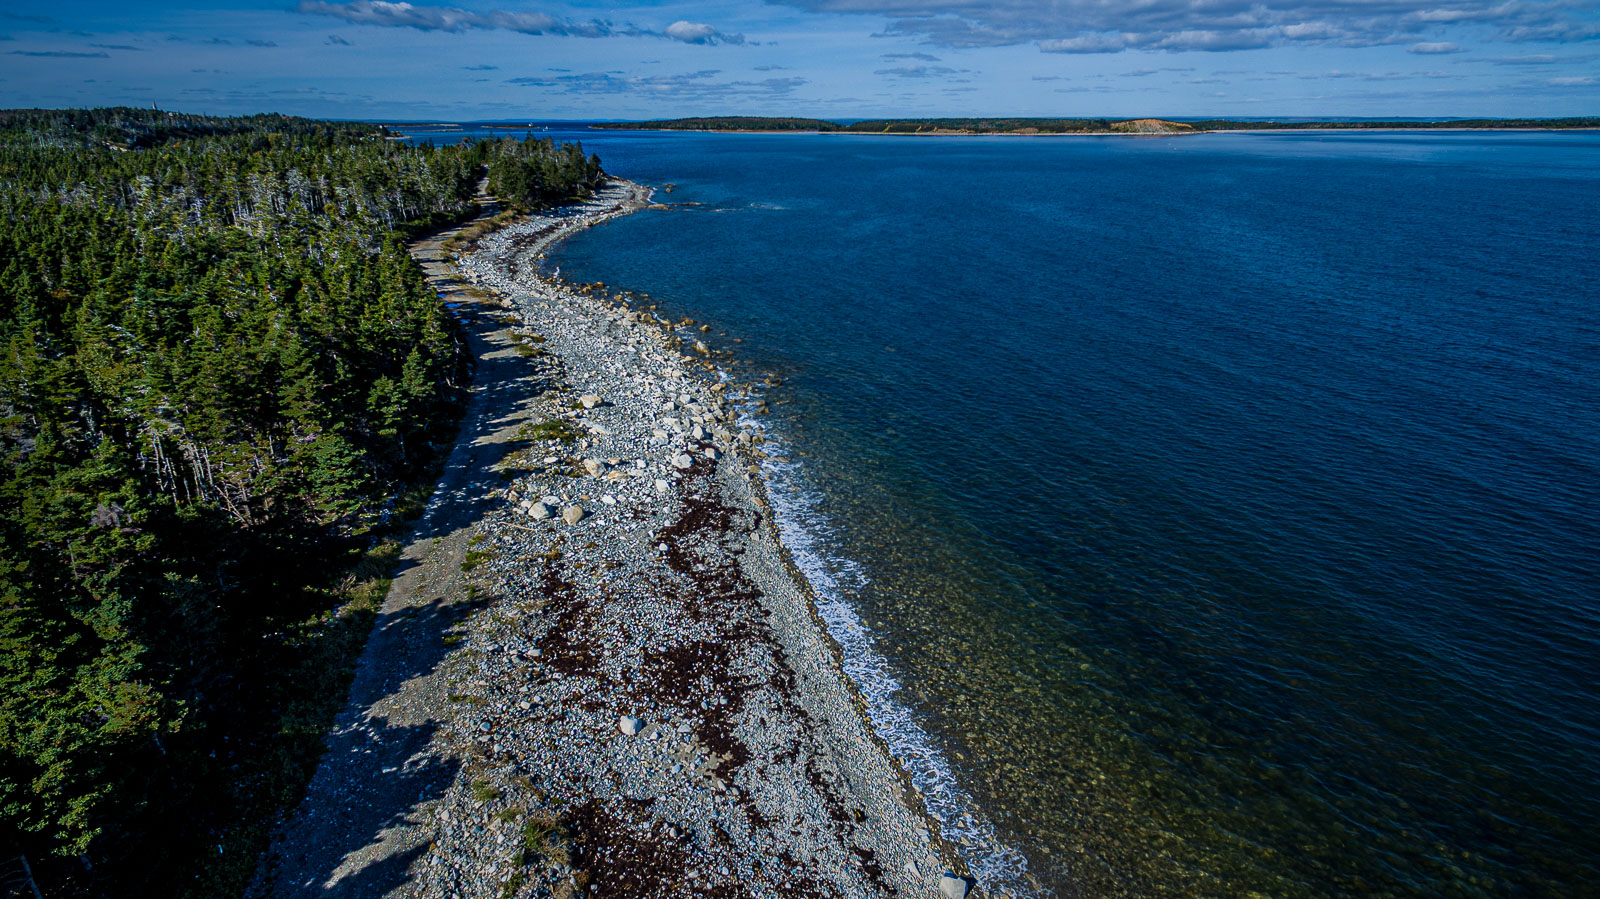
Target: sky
[{"x": 572, "y": 59}]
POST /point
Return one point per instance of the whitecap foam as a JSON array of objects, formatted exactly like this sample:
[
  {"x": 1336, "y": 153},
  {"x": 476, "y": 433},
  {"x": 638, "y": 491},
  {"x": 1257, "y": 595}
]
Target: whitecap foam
[{"x": 999, "y": 868}]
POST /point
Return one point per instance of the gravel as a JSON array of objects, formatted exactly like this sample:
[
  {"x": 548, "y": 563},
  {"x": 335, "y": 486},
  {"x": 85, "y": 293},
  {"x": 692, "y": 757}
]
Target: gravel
[{"x": 640, "y": 699}]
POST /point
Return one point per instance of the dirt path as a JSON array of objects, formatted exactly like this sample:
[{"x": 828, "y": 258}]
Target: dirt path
[{"x": 367, "y": 814}]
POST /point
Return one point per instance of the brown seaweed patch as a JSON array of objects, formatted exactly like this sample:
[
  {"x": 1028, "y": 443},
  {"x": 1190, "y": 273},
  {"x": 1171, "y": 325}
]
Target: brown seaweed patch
[{"x": 625, "y": 859}]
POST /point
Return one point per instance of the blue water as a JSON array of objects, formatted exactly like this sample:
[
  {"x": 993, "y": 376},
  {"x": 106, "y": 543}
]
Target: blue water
[{"x": 1227, "y": 507}]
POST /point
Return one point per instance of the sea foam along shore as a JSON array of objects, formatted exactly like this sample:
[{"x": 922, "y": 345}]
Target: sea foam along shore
[
  {"x": 634, "y": 689},
  {"x": 651, "y": 668},
  {"x": 831, "y": 578}
]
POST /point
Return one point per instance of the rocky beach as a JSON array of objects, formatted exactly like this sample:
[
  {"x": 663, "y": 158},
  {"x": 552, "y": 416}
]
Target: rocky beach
[{"x": 599, "y": 672}]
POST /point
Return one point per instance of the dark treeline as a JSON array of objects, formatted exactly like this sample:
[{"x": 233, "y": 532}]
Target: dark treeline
[
  {"x": 1065, "y": 126},
  {"x": 979, "y": 126},
  {"x": 726, "y": 123},
  {"x": 218, "y": 368},
  {"x": 531, "y": 173}
]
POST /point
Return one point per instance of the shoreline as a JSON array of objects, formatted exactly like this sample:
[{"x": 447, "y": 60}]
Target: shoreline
[
  {"x": 1401, "y": 129},
  {"x": 600, "y": 665},
  {"x": 896, "y": 843},
  {"x": 969, "y": 842}
]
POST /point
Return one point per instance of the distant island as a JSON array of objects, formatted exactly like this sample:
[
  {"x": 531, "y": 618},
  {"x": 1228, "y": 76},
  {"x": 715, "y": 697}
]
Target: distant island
[{"x": 960, "y": 126}]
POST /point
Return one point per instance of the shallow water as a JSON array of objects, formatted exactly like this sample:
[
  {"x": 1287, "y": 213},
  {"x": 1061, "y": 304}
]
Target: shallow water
[{"x": 1225, "y": 507}]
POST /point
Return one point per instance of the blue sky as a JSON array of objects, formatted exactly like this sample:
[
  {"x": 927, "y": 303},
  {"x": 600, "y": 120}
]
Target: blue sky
[{"x": 827, "y": 58}]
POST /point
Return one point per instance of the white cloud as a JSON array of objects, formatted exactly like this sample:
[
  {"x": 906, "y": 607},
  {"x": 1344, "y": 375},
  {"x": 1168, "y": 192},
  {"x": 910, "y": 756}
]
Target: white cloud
[
  {"x": 450, "y": 18},
  {"x": 1099, "y": 26}
]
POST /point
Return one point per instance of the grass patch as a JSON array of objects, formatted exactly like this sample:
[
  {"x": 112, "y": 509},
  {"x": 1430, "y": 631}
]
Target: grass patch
[
  {"x": 474, "y": 558},
  {"x": 517, "y": 881},
  {"x": 545, "y": 837},
  {"x": 471, "y": 234},
  {"x": 550, "y": 429},
  {"x": 452, "y": 639},
  {"x": 483, "y": 791}
]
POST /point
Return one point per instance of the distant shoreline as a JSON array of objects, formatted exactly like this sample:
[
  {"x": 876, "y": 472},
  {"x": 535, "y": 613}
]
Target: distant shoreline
[
  {"x": 1094, "y": 127},
  {"x": 1087, "y": 133},
  {"x": 1015, "y": 127}
]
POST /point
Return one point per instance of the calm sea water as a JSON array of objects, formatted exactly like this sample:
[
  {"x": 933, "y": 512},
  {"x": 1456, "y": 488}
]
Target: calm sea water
[{"x": 1225, "y": 508}]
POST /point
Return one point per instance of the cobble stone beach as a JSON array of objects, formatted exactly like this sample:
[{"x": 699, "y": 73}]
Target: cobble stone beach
[{"x": 598, "y": 673}]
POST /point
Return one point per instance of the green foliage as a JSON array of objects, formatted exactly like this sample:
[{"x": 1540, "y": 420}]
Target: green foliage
[
  {"x": 534, "y": 173},
  {"x": 513, "y": 884},
  {"x": 550, "y": 429},
  {"x": 728, "y": 123},
  {"x": 217, "y": 363},
  {"x": 541, "y": 834}
]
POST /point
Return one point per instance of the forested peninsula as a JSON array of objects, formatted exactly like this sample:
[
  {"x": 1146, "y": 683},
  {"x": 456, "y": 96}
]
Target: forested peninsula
[
  {"x": 224, "y": 387},
  {"x": 959, "y": 126}
]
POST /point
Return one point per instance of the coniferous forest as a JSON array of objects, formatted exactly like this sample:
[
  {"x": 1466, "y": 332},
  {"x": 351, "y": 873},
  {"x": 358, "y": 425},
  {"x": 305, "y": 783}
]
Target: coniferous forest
[{"x": 224, "y": 384}]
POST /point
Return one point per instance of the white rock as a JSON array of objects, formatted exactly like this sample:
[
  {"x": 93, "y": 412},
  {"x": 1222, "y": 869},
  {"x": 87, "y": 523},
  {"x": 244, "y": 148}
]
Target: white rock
[
  {"x": 609, "y": 500},
  {"x": 573, "y": 514},
  {"x": 711, "y": 452},
  {"x": 682, "y": 460},
  {"x": 698, "y": 433},
  {"x": 953, "y": 887},
  {"x": 631, "y": 726},
  {"x": 595, "y": 467},
  {"x": 662, "y": 486},
  {"x": 540, "y": 511},
  {"x": 589, "y": 400}
]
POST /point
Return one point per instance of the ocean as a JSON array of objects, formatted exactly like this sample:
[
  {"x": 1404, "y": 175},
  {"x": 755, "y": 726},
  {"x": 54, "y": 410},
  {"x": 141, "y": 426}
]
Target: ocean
[{"x": 1212, "y": 515}]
